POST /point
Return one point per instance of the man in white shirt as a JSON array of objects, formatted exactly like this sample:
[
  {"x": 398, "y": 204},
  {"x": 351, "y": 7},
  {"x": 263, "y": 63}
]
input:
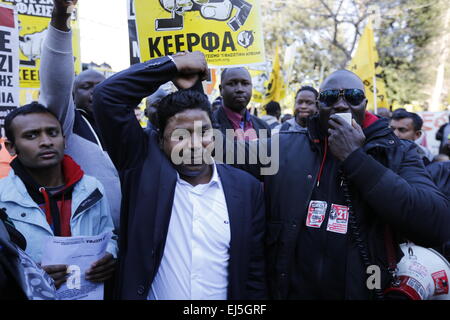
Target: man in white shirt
[{"x": 190, "y": 228}]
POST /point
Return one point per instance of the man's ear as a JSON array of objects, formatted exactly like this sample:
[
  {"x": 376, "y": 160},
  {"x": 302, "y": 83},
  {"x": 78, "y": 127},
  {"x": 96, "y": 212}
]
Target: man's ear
[
  {"x": 418, "y": 134},
  {"x": 10, "y": 147}
]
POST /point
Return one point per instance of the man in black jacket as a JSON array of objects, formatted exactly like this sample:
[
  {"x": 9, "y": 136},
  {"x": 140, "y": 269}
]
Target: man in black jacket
[
  {"x": 190, "y": 228},
  {"x": 236, "y": 91},
  {"x": 338, "y": 187},
  {"x": 440, "y": 173}
]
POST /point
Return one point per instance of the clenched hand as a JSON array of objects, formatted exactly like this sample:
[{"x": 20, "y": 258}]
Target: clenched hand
[{"x": 343, "y": 139}]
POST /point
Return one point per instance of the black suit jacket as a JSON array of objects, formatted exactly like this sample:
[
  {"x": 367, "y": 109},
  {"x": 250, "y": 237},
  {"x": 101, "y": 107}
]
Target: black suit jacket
[{"x": 148, "y": 186}]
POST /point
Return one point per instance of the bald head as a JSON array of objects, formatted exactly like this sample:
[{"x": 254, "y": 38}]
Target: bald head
[
  {"x": 342, "y": 79},
  {"x": 89, "y": 74},
  {"x": 83, "y": 88},
  {"x": 334, "y": 98}
]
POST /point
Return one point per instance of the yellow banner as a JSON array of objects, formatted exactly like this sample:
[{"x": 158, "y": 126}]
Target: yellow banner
[
  {"x": 269, "y": 87},
  {"x": 228, "y": 32},
  {"x": 365, "y": 65},
  {"x": 260, "y": 82},
  {"x": 276, "y": 89},
  {"x": 34, "y": 18}
]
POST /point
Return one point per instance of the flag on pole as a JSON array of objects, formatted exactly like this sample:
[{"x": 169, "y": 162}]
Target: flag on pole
[
  {"x": 276, "y": 89},
  {"x": 365, "y": 64}
]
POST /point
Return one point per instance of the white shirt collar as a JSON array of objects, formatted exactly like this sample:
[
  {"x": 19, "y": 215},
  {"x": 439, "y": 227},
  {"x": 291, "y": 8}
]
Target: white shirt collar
[{"x": 215, "y": 180}]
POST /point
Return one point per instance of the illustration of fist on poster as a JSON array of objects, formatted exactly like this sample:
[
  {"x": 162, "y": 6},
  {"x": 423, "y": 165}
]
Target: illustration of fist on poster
[
  {"x": 34, "y": 18},
  {"x": 228, "y": 32}
]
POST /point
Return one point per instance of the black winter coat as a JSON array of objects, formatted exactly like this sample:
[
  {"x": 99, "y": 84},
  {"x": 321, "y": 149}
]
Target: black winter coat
[
  {"x": 388, "y": 184},
  {"x": 148, "y": 186}
]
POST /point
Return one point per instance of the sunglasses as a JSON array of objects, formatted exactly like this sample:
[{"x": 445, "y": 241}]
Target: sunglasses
[{"x": 352, "y": 96}]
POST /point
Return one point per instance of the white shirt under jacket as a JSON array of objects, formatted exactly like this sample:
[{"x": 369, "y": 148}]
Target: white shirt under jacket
[{"x": 194, "y": 265}]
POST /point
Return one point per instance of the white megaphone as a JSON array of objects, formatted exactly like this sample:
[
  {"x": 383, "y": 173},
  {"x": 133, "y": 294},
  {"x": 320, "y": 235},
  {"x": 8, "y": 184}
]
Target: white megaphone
[{"x": 423, "y": 274}]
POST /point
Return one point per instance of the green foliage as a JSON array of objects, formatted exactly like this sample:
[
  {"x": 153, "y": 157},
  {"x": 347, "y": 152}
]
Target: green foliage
[
  {"x": 327, "y": 33},
  {"x": 404, "y": 47}
]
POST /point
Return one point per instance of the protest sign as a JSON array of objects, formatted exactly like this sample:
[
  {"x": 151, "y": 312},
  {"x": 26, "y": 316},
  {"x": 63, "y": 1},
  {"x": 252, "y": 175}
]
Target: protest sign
[
  {"x": 9, "y": 60},
  {"x": 228, "y": 32},
  {"x": 34, "y": 18}
]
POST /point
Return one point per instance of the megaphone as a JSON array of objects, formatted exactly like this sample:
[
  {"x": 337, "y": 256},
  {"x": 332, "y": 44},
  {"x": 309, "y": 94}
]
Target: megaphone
[{"x": 422, "y": 274}]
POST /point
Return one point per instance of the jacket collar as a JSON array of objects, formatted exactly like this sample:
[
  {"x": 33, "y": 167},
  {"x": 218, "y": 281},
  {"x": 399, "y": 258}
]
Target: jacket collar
[
  {"x": 13, "y": 189},
  {"x": 234, "y": 200}
]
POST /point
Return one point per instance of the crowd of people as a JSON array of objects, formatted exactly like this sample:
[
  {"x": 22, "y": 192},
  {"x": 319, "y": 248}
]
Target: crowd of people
[{"x": 210, "y": 202}]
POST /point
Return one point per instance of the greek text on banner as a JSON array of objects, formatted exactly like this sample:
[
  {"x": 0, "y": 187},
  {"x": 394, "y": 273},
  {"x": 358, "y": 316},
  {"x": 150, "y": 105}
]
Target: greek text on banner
[{"x": 228, "y": 32}]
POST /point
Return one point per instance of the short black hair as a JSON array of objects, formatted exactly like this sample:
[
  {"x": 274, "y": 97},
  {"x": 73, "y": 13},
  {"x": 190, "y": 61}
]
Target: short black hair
[
  {"x": 225, "y": 71},
  {"x": 33, "y": 107},
  {"x": 403, "y": 114},
  {"x": 272, "y": 108},
  {"x": 180, "y": 101},
  {"x": 307, "y": 88}
]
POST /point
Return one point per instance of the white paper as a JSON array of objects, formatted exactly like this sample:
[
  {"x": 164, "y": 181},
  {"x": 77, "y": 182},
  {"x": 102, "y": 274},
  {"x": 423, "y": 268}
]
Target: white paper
[
  {"x": 78, "y": 253},
  {"x": 346, "y": 116}
]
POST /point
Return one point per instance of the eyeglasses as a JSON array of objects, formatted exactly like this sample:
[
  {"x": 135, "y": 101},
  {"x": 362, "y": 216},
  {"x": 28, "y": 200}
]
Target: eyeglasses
[{"x": 352, "y": 96}]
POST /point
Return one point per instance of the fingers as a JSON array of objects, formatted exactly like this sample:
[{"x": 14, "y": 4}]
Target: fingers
[
  {"x": 106, "y": 258},
  {"x": 190, "y": 62},
  {"x": 101, "y": 272},
  {"x": 63, "y": 4},
  {"x": 55, "y": 268},
  {"x": 106, "y": 267},
  {"x": 58, "y": 283},
  {"x": 58, "y": 273},
  {"x": 102, "y": 269},
  {"x": 101, "y": 276},
  {"x": 356, "y": 126}
]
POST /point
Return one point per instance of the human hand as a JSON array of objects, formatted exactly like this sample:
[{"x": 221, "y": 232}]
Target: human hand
[
  {"x": 62, "y": 10},
  {"x": 191, "y": 67},
  {"x": 343, "y": 139},
  {"x": 102, "y": 269},
  {"x": 57, "y": 272}
]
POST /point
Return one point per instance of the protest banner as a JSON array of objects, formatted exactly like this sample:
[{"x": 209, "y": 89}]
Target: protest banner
[
  {"x": 132, "y": 33},
  {"x": 365, "y": 64},
  {"x": 260, "y": 81},
  {"x": 9, "y": 60},
  {"x": 432, "y": 121},
  {"x": 34, "y": 18},
  {"x": 228, "y": 32}
]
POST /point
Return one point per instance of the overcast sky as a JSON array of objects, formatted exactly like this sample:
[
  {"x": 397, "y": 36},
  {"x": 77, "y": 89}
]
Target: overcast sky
[{"x": 104, "y": 32}]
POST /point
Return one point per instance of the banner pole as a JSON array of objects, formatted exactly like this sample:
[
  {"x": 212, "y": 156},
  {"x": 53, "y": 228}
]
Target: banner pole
[{"x": 375, "y": 93}]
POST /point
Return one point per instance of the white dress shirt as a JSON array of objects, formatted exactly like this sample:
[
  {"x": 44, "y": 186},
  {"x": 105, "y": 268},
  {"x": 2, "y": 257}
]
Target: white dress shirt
[{"x": 194, "y": 265}]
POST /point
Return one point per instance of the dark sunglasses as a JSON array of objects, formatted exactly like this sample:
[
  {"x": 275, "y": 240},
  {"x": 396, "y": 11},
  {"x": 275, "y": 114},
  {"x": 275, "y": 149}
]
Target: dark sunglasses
[{"x": 352, "y": 96}]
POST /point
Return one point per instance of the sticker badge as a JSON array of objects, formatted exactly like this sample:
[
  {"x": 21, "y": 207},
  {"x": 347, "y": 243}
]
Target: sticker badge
[
  {"x": 338, "y": 219},
  {"x": 316, "y": 213},
  {"x": 440, "y": 282}
]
